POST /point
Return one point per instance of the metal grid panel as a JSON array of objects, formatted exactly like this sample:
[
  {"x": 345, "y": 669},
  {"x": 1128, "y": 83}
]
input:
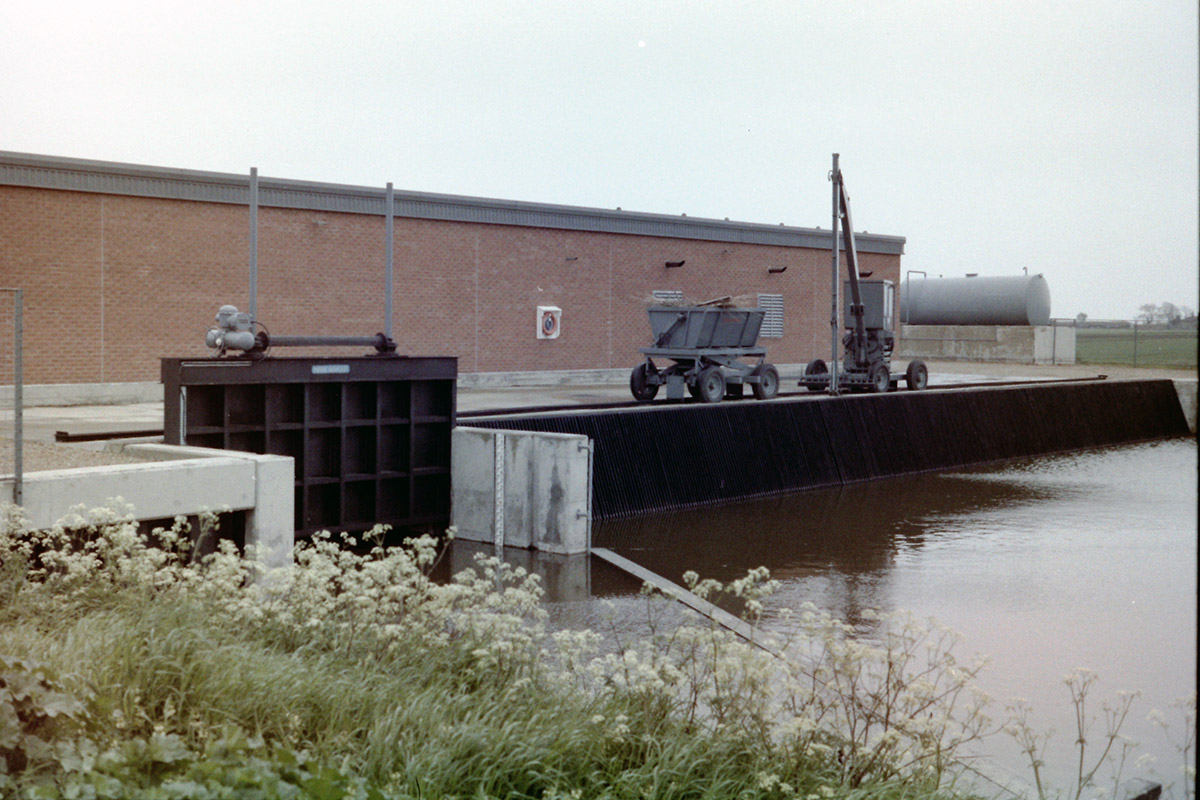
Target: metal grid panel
[{"x": 772, "y": 326}]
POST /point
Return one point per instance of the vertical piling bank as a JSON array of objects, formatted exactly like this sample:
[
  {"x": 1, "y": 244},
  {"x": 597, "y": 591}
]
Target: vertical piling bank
[{"x": 671, "y": 456}]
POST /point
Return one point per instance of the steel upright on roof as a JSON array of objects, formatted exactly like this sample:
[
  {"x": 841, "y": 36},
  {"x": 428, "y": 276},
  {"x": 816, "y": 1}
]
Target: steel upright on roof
[
  {"x": 390, "y": 225},
  {"x": 253, "y": 242}
]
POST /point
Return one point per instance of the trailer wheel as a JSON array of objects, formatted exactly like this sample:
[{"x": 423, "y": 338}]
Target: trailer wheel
[
  {"x": 639, "y": 383},
  {"x": 711, "y": 385},
  {"x": 880, "y": 379},
  {"x": 768, "y": 382},
  {"x": 917, "y": 375},
  {"x": 815, "y": 367}
]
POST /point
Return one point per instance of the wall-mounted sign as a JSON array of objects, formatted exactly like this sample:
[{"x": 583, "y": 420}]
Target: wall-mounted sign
[{"x": 549, "y": 322}]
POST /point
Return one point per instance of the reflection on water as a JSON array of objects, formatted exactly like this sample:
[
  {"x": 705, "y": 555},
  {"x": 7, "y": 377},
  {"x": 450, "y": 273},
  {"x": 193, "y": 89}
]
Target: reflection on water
[
  {"x": 1086, "y": 559},
  {"x": 856, "y": 533}
]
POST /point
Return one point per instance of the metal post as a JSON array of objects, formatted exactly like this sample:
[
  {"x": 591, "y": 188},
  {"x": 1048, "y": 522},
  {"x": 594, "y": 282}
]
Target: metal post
[
  {"x": 836, "y": 177},
  {"x": 18, "y": 400},
  {"x": 1135, "y": 338},
  {"x": 387, "y": 284},
  {"x": 253, "y": 242}
]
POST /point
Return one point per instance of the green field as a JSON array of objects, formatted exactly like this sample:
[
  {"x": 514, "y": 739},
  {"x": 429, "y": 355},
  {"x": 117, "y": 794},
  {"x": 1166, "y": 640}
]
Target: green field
[{"x": 1141, "y": 347}]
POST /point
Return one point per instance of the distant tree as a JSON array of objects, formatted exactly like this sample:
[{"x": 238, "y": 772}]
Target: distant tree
[
  {"x": 1169, "y": 313},
  {"x": 1165, "y": 313},
  {"x": 1080, "y": 319}
]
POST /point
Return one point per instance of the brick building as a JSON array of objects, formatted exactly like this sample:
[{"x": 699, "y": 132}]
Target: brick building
[{"x": 123, "y": 264}]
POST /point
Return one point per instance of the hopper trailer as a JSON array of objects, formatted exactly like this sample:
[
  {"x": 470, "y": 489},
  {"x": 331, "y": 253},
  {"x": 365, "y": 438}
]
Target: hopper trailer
[{"x": 713, "y": 354}]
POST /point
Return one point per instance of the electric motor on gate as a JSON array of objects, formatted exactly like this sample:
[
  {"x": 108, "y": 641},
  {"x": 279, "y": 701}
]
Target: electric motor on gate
[
  {"x": 233, "y": 331},
  {"x": 1010, "y": 300}
]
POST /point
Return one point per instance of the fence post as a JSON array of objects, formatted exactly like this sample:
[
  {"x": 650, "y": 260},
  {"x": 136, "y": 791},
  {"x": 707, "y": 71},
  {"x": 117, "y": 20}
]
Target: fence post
[
  {"x": 1135, "y": 341},
  {"x": 18, "y": 396}
]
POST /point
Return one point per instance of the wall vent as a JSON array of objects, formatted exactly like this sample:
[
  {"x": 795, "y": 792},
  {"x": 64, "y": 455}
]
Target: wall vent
[{"x": 772, "y": 325}]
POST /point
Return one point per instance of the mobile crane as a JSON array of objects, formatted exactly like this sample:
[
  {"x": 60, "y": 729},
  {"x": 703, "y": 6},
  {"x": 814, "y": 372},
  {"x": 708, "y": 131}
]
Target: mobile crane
[{"x": 869, "y": 337}]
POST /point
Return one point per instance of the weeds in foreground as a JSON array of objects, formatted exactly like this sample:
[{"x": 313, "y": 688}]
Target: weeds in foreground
[{"x": 137, "y": 668}]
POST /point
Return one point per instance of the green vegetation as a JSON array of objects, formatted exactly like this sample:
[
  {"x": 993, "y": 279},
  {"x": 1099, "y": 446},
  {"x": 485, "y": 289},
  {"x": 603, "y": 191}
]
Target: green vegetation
[
  {"x": 1143, "y": 346},
  {"x": 132, "y": 669}
]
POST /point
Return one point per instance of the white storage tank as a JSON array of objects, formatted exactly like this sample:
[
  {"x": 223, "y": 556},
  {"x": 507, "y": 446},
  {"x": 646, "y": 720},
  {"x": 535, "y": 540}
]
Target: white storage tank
[{"x": 975, "y": 300}]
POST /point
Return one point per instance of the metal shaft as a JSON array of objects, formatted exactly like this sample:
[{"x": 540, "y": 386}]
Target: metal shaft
[
  {"x": 387, "y": 283},
  {"x": 833, "y": 317},
  {"x": 254, "y": 243}
]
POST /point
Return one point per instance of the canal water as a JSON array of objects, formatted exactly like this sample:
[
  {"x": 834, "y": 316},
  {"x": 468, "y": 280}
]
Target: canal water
[{"x": 1044, "y": 565}]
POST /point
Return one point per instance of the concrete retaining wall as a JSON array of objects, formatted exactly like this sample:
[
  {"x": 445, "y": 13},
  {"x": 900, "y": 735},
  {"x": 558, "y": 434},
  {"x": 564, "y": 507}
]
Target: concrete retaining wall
[
  {"x": 522, "y": 489},
  {"x": 1044, "y": 344},
  {"x": 175, "y": 481}
]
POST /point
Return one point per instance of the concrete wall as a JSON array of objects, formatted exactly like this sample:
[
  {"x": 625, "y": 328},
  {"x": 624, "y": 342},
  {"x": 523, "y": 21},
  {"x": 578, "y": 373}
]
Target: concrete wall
[
  {"x": 1043, "y": 344},
  {"x": 175, "y": 481},
  {"x": 1186, "y": 389},
  {"x": 522, "y": 489}
]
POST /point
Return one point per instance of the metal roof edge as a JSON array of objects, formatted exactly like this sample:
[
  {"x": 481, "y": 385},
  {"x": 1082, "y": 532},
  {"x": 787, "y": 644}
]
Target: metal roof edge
[{"x": 106, "y": 177}]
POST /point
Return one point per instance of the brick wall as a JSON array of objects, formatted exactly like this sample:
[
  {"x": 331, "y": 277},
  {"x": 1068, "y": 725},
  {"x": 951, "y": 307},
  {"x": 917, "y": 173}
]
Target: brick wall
[{"x": 112, "y": 283}]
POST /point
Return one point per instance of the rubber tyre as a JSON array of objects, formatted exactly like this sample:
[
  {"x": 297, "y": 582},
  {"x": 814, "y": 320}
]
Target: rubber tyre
[
  {"x": 816, "y": 367},
  {"x": 916, "y": 376},
  {"x": 768, "y": 384},
  {"x": 710, "y": 385},
  {"x": 639, "y": 384},
  {"x": 880, "y": 379}
]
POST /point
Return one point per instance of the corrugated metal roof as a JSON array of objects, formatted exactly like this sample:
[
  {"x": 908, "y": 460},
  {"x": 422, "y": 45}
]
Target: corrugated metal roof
[{"x": 106, "y": 177}]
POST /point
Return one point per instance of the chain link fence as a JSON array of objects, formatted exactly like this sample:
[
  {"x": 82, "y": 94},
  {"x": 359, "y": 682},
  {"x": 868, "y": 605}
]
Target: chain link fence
[{"x": 1134, "y": 342}]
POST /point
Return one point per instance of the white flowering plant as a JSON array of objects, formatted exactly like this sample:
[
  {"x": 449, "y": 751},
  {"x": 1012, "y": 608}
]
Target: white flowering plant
[{"x": 174, "y": 657}]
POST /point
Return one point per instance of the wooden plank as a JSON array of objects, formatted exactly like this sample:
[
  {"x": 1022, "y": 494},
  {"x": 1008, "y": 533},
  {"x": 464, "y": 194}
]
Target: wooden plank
[{"x": 677, "y": 592}]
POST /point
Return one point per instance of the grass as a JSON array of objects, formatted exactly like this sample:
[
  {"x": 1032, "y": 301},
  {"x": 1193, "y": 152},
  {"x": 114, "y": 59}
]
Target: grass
[
  {"x": 129, "y": 669},
  {"x": 355, "y": 675},
  {"x": 1175, "y": 349}
]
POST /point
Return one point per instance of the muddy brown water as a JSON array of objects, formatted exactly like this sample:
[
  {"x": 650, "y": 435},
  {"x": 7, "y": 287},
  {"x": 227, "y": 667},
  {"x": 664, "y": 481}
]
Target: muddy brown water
[{"x": 1086, "y": 559}]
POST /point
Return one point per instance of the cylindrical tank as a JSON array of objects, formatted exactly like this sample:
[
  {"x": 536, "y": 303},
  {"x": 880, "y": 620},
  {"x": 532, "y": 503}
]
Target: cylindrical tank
[{"x": 1016, "y": 300}]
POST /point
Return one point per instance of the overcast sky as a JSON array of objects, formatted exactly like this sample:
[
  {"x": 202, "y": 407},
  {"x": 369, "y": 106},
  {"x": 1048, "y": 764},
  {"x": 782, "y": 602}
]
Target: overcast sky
[{"x": 1055, "y": 136}]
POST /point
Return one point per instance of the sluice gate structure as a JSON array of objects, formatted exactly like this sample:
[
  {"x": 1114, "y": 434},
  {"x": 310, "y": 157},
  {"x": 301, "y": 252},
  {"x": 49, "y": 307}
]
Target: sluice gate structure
[{"x": 673, "y": 456}]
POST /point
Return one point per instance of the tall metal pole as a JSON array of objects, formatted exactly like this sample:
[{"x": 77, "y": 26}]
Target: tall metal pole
[
  {"x": 836, "y": 177},
  {"x": 254, "y": 243},
  {"x": 18, "y": 400},
  {"x": 387, "y": 284}
]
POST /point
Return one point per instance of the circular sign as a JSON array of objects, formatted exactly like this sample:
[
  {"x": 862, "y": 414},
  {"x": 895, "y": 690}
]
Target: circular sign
[{"x": 549, "y": 323}]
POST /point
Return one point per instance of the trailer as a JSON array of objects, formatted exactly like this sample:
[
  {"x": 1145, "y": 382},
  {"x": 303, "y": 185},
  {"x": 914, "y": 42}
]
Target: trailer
[{"x": 713, "y": 351}]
